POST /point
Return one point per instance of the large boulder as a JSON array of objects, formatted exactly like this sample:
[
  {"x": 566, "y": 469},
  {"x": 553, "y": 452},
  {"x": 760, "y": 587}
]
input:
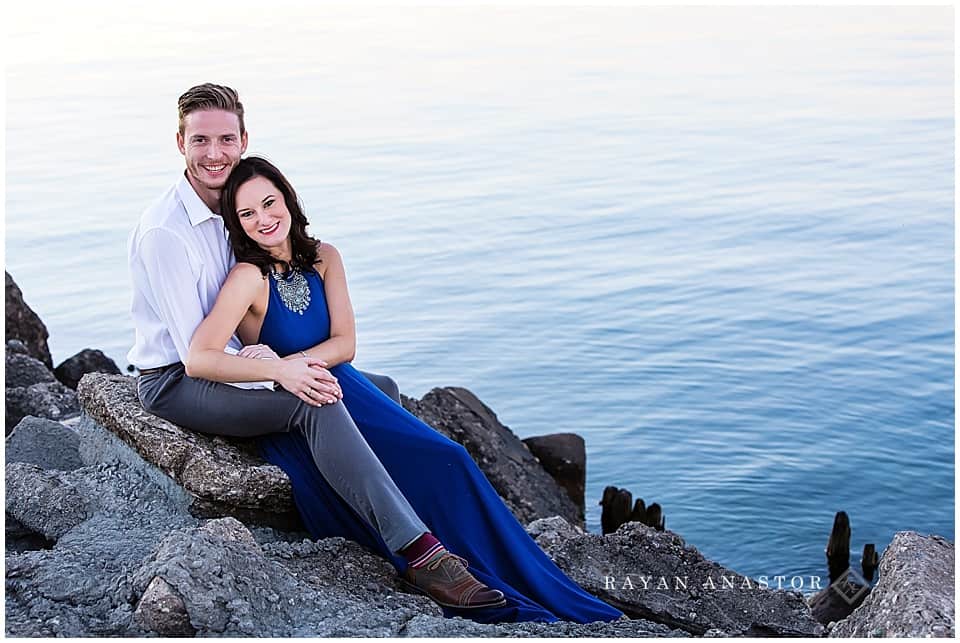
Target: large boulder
[
  {"x": 45, "y": 501},
  {"x": 915, "y": 594},
  {"x": 23, "y": 370},
  {"x": 24, "y": 324},
  {"x": 89, "y": 360},
  {"x": 45, "y": 443},
  {"x": 228, "y": 585},
  {"x": 224, "y": 476},
  {"x": 81, "y": 586},
  {"x": 50, "y": 400},
  {"x": 654, "y": 575},
  {"x": 518, "y": 477}
]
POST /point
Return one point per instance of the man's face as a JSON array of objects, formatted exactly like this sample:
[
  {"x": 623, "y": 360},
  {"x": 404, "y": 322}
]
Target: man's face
[{"x": 212, "y": 145}]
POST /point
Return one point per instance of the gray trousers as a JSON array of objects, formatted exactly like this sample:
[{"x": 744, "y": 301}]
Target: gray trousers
[{"x": 339, "y": 450}]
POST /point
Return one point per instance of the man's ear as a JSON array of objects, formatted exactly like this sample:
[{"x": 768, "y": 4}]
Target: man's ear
[
  {"x": 180, "y": 145},
  {"x": 243, "y": 142}
]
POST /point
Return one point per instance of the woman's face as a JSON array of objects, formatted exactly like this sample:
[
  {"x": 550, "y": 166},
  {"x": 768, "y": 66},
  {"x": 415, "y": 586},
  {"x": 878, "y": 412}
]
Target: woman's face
[{"x": 263, "y": 215}]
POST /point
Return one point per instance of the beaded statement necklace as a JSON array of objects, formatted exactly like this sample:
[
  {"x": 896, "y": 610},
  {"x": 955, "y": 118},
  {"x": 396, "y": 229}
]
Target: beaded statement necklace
[{"x": 293, "y": 289}]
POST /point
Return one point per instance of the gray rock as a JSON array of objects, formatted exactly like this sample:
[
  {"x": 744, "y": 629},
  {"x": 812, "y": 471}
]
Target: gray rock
[
  {"x": 162, "y": 611},
  {"x": 24, "y": 370},
  {"x": 426, "y": 626},
  {"x": 24, "y": 324},
  {"x": 915, "y": 594},
  {"x": 81, "y": 587},
  {"x": 341, "y": 563},
  {"x": 551, "y": 533},
  {"x": 513, "y": 471},
  {"x": 47, "y": 502},
  {"x": 564, "y": 456},
  {"x": 224, "y": 476},
  {"x": 17, "y": 346},
  {"x": 231, "y": 588},
  {"x": 50, "y": 400},
  {"x": 269, "y": 535},
  {"x": 654, "y": 575},
  {"x": 45, "y": 443},
  {"x": 89, "y": 360}
]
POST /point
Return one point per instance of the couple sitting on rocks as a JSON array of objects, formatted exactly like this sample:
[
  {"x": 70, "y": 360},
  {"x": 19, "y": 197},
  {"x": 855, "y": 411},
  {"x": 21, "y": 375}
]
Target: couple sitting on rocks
[{"x": 225, "y": 253}]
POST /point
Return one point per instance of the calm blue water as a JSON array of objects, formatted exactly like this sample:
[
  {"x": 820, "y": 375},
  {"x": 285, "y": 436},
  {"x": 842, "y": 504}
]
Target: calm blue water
[{"x": 717, "y": 243}]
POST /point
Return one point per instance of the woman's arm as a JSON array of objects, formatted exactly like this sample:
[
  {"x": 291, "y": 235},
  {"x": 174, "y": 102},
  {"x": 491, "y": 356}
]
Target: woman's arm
[
  {"x": 207, "y": 360},
  {"x": 342, "y": 345}
]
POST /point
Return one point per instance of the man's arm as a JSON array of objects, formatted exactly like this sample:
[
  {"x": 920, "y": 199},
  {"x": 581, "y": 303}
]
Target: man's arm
[{"x": 172, "y": 280}]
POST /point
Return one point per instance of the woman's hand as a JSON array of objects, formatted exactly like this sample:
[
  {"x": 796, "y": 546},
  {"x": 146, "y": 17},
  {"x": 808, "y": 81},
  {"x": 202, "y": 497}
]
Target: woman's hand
[
  {"x": 307, "y": 378},
  {"x": 258, "y": 351}
]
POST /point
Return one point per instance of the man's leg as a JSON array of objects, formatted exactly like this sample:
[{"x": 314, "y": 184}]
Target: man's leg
[
  {"x": 385, "y": 383},
  {"x": 339, "y": 450}
]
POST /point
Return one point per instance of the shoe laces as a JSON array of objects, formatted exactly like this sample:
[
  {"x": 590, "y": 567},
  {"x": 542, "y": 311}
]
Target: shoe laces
[{"x": 434, "y": 564}]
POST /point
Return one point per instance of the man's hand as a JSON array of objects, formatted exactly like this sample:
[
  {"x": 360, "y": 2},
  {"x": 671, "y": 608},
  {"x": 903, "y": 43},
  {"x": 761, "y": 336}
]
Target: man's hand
[{"x": 307, "y": 378}]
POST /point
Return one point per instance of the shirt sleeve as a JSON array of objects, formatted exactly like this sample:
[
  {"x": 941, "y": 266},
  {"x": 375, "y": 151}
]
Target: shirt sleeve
[{"x": 172, "y": 277}]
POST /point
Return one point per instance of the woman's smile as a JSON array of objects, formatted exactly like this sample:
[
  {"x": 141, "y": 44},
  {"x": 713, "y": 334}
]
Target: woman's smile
[
  {"x": 264, "y": 216},
  {"x": 270, "y": 229}
]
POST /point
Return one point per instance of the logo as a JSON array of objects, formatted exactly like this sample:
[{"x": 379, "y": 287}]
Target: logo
[{"x": 851, "y": 586}]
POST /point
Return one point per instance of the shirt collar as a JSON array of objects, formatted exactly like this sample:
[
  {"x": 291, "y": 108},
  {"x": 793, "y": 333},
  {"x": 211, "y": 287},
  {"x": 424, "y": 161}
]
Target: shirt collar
[{"x": 197, "y": 210}]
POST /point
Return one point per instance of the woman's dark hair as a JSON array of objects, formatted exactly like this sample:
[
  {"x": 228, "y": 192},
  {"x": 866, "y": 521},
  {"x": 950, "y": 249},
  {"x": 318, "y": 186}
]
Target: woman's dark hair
[{"x": 246, "y": 249}]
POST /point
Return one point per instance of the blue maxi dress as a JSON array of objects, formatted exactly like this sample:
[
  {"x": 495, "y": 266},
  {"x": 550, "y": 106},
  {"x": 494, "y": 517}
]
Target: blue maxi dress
[{"x": 437, "y": 476}]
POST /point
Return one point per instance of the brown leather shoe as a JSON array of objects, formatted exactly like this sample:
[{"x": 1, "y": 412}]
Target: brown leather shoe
[{"x": 447, "y": 581}]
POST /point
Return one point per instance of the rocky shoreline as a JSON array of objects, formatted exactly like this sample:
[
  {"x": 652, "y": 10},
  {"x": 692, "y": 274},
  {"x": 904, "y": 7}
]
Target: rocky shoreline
[{"x": 121, "y": 524}]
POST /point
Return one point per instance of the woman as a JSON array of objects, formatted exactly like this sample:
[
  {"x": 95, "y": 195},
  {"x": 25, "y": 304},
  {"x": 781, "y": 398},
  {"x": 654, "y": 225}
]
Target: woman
[{"x": 287, "y": 297}]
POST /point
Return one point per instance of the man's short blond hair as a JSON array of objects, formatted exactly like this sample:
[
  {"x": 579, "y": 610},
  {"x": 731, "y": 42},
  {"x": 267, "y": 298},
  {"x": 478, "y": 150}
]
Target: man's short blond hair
[{"x": 210, "y": 96}]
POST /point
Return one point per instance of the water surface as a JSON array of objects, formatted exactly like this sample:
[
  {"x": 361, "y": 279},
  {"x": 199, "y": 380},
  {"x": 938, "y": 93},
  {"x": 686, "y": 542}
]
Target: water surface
[{"x": 716, "y": 243}]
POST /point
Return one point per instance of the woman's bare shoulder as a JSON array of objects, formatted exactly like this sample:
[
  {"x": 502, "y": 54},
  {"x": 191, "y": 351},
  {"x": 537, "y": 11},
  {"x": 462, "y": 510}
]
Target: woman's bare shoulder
[
  {"x": 244, "y": 275},
  {"x": 246, "y": 271},
  {"x": 326, "y": 251},
  {"x": 327, "y": 255}
]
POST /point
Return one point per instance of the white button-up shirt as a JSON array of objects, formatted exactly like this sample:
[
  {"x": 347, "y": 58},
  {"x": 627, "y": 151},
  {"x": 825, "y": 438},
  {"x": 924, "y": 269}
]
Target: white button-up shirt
[{"x": 179, "y": 257}]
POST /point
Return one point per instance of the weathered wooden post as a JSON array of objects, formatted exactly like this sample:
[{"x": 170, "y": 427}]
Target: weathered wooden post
[
  {"x": 838, "y": 546},
  {"x": 655, "y": 517},
  {"x": 869, "y": 562},
  {"x": 616, "y": 511}
]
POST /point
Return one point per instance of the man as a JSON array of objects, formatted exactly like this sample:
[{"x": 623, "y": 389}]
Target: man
[{"x": 179, "y": 257}]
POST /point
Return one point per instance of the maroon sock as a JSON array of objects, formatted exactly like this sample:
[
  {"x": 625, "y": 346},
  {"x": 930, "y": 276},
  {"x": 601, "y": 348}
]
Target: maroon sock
[{"x": 422, "y": 550}]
